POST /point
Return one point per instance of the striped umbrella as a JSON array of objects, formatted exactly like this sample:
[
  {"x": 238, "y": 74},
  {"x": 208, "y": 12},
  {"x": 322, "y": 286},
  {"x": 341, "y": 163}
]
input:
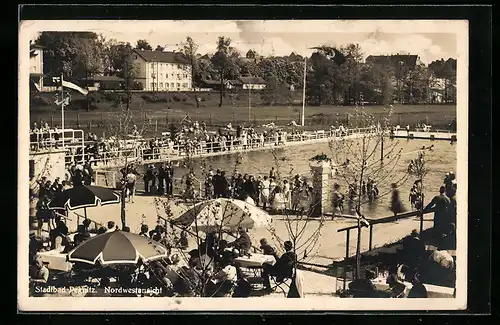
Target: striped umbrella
[
  {"x": 117, "y": 247},
  {"x": 226, "y": 213}
]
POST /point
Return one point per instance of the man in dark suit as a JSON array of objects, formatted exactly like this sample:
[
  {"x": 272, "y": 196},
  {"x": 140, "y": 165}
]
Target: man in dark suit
[
  {"x": 161, "y": 179},
  {"x": 441, "y": 203},
  {"x": 283, "y": 268},
  {"x": 169, "y": 178},
  {"x": 243, "y": 243}
]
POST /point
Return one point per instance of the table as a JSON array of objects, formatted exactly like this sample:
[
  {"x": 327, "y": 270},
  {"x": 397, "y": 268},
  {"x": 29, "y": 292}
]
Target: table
[{"x": 255, "y": 260}]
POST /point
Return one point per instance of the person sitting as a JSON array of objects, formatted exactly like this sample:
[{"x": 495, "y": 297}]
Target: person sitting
[
  {"x": 126, "y": 229},
  {"x": 86, "y": 224},
  {"x": 418, "y": 289},
  {"x": 101, "y": 230},
  {"x": 243, "y": 244},
  {"x": 413, "y": 250},
  {"x": 396, "y": 288},
  {"x": 111, "y": 226},
  {"x": 223, "y": 281},
  {"x": 268, "y": 249},
  {"x": 144, "y": 231},
  {"x": 364, "y": 288},
  {"x": 39, "y": 273},
  {"x": 81, "y": 235},
  {"x": 183, "y": 241},
  {"x": 283, "y": 268}
]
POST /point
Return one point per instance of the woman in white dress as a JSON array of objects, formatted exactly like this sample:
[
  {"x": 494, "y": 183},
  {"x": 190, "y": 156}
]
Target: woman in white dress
[
  {"x": 287, "y": 195},
  {"x": 278, "y": 204},
  {"x": 264, "y": 192}
]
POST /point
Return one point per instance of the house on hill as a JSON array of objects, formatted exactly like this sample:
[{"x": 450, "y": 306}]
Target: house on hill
[
  {"x": 105, "y": 82},
  {"x": 162, "y": 70},
  {"x": 256, "y": 83}
]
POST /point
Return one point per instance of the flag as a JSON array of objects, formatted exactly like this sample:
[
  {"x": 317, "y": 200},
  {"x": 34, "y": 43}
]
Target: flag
[{"x": 71, "y": 85}]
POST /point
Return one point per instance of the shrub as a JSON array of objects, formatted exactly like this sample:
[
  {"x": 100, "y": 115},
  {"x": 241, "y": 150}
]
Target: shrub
[
  {"x": 176, "y": 98},
  {"x": 184, "y": 99},
  {"x": 203, "y": 99}
]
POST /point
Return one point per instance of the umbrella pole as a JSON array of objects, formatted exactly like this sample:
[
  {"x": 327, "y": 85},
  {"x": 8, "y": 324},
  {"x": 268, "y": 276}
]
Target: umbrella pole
[{"x": 85, "y": 212}]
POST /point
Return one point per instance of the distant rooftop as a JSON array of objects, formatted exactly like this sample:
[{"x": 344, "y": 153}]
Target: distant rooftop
[{"x": 159, "y": 56}]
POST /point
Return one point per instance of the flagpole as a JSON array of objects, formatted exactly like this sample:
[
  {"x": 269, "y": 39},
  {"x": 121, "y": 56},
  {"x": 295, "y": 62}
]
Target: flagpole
[
  {"x": 62, "y": 111},
  {"x": 304, "y": 93}
]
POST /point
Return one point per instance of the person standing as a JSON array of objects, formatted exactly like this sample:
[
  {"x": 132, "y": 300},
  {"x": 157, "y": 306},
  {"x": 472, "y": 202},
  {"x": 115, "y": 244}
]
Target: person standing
[
  {"x": 130, "y": 185},
  {"x": 396, "y": 204},
  {"x": 169, "y": 179},
  {"x": 161, "y": 179},
  {"x": 264, "y": 192},
  {"x": 441, "y": 203}
]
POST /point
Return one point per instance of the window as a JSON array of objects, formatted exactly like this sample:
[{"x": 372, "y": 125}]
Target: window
[
  {"x": 161, "y": 84},
  {"x": 184, "y": 85},
  {"x": 152, "y": 85},
  {"x": 166, "y": 85},
  {"x": 172, "y": 85},
  {"x": 178, "y": 76},
  {"x": 161, "y": 75},
  {"x": 178, "y": 85},
  {"x": 135, "y": 56}
]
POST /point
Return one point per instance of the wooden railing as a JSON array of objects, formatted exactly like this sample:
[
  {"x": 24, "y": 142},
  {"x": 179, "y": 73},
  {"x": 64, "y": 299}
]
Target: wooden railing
[
  {"x": 112, "y": 158},
  {"x": 373, "y": 222}
]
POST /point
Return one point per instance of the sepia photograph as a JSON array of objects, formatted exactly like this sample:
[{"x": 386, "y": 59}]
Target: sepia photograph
[{"x": 178, "y": 165}]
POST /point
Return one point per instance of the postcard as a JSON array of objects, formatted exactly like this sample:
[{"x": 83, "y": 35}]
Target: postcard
[{"x": 178, "y": 165}]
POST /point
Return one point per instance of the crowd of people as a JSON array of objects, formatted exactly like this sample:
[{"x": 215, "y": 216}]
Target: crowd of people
[
  {"x": 208, "y": 269},
  {"x": 192, "y": 138}
]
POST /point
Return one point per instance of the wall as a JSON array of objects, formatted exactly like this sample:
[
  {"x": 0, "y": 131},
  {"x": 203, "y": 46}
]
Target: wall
[{"x": 164, "y": 73}]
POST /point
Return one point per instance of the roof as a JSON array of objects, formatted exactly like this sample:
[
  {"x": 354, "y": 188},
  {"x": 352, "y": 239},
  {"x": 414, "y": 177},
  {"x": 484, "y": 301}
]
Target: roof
[
  {"x": 105, "y": 78},
  {"x": 252, "y": 80},
  {"x": 409, "y": 60},
  {"x": 160, "y": 56}
]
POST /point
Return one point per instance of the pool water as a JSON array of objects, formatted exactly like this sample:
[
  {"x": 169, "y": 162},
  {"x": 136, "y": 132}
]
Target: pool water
[{"x": 296, "y": 160}]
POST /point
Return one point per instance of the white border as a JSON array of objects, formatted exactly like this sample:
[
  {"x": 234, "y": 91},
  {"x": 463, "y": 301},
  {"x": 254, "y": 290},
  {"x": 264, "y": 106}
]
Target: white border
[{"x": 28, "y": 29}]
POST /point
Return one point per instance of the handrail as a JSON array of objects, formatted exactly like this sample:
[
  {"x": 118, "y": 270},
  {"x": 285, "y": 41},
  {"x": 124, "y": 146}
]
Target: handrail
[
  {"x": 373, "y": 222},
  {"x": 391, "y": 218},
  {"x": 79, "y": 216},
  {"x": 206, "y": 148}
]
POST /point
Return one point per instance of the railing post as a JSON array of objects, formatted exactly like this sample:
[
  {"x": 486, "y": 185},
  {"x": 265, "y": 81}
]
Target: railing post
[
  {"x": 371, "y": 238},
  {"x": 347, "y": 244}
]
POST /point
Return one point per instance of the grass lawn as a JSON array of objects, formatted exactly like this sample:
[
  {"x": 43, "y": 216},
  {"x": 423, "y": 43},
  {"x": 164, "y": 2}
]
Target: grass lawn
[{"x": 234, "y": 111}]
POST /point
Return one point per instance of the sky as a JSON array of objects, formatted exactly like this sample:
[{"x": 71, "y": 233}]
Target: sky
[{"x": 431, "y": 40}]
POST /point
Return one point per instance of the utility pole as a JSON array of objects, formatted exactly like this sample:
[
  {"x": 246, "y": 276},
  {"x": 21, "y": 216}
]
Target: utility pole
[
  {"x": 302, "y": 120},
  {"x": 249, "y": 100}
]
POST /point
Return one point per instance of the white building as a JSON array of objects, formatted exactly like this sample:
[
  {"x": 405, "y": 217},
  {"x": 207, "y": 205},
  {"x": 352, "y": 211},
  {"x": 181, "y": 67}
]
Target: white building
[
  {"x": 36, "y": 66},
  {"x": 162, "y": 71}
]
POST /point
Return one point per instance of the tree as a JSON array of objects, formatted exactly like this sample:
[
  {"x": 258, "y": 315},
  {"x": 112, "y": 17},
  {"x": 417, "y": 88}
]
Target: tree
[
  {"x": 360, "y": 163},
  {"x": 224, "y": 62},
  {"x": 419, "y": 170},
  {"x": 125, "y": 133},
  {"x": 301, "y": 229},
  {"x": 73, "y": 54},
  {"x": 190, "y": 49},
  {"x": 128, "y": 72},
  {"x": 142, "y": 44},
  {"x": 218, "y": 216},
  {"x": 160, "y": 48}
]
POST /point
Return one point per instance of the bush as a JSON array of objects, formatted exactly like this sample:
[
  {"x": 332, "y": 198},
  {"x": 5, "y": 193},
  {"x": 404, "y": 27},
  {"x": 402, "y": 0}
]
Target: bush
[
  {"x": 184, "y": 99},
  {"x": 203, "y": 99},
  {"x": 176, "y": 98}
]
